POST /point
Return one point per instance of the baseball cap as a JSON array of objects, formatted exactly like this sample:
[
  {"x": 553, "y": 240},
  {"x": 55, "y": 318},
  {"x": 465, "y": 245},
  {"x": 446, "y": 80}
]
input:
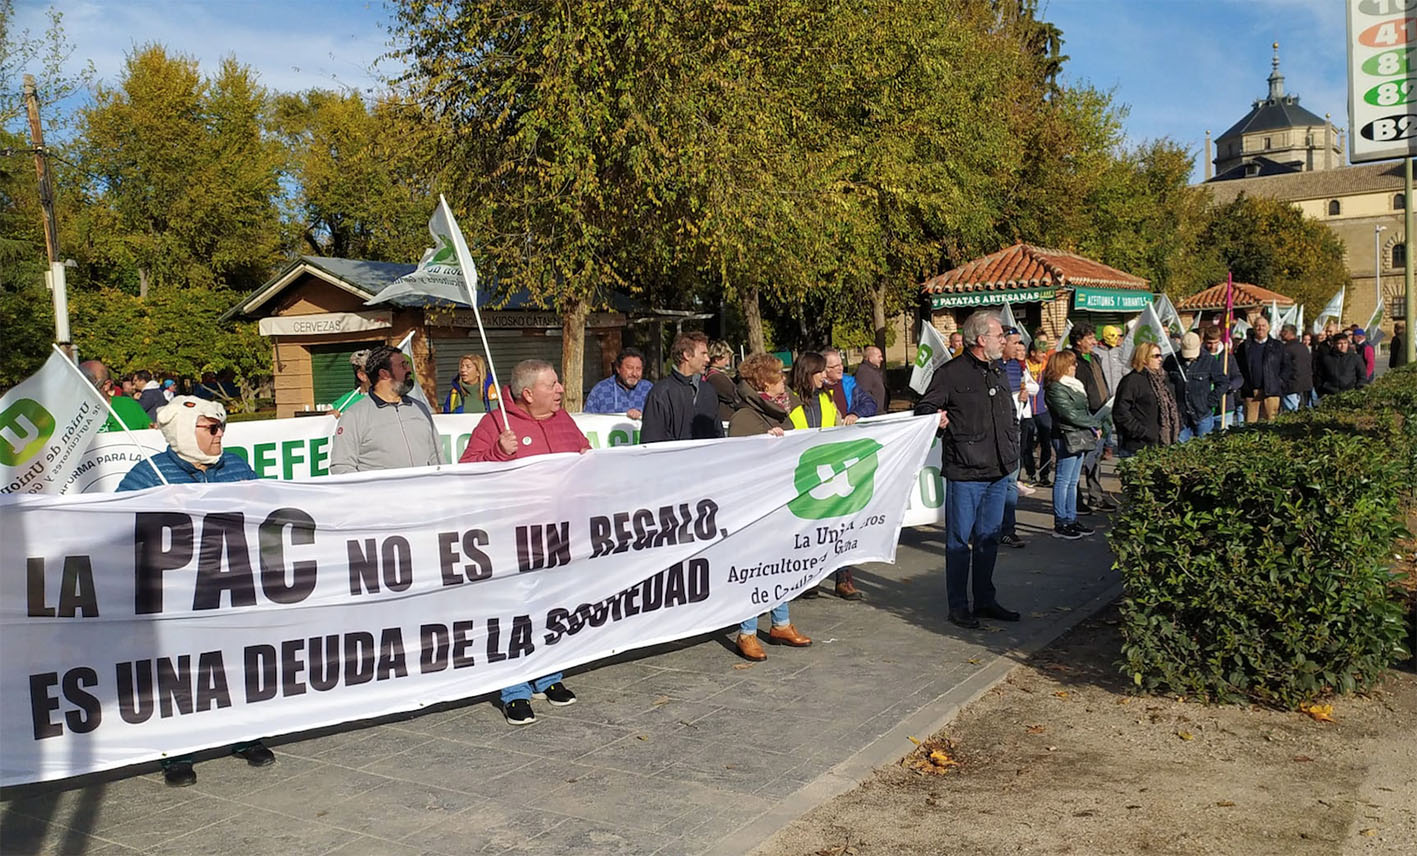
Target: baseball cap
[
  {"x": 1360, "y": 332},
  {"x": 1190, "y": 345}
]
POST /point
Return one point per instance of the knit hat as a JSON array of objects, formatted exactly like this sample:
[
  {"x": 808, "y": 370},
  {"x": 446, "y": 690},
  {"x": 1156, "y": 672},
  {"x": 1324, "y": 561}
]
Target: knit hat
[
  {"x": 357, "y": 358},
  {"x": 177, "y": 420},
  {"x": 1190, "y": 346}
]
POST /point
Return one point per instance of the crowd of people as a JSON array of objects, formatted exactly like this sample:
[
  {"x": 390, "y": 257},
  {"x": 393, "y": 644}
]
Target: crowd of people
[
  {"x": 137, "y": 396},
  {"x": 1010, "y": 416}
]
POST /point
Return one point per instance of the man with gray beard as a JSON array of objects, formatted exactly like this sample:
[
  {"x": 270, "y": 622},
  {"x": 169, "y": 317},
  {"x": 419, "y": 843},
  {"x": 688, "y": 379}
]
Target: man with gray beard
[
  {"x": 387, "y": 429},
  {"x": 980, "y": 450}
]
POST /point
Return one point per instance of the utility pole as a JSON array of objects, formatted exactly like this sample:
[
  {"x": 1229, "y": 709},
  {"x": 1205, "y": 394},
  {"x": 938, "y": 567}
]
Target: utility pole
[
  {"x": 1409, "y": 307},
  {"x": 55, "y": 277}
]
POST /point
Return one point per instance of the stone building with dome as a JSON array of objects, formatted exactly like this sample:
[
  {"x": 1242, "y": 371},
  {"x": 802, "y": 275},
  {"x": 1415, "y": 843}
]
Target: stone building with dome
[{"x": 1281, "y": 150}]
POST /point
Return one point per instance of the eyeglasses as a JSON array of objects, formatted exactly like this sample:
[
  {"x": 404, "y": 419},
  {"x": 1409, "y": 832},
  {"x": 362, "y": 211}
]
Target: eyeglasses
[{"x": 215, "y": 428}]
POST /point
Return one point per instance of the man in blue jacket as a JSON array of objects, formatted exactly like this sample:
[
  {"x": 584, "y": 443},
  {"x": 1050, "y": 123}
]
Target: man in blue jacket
[
  {"x": 193, "y": 428},
  {"x": 1268, "y": 370},
  {"x": 1200, "y": 382}
]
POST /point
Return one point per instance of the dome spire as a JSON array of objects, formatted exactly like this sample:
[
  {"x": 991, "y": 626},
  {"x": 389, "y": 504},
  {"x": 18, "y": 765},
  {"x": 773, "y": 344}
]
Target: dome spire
[{"x": 1276, "y": 80}]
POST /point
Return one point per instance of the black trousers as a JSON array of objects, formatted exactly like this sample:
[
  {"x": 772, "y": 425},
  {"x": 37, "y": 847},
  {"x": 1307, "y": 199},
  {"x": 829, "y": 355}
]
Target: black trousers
[{"x": 1037, "y": 432}]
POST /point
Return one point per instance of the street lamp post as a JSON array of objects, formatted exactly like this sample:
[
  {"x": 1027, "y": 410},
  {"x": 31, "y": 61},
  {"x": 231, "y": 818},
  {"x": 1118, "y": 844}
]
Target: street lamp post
[{"x": 1377, "y": 269}]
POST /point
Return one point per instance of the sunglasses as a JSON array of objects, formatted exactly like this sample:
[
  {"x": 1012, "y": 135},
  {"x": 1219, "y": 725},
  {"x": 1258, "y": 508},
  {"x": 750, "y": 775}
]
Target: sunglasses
[{"x": 215, "y": 428}]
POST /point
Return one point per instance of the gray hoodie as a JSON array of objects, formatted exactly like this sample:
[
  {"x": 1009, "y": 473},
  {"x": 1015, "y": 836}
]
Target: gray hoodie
[{"x": 376, "y": 435}]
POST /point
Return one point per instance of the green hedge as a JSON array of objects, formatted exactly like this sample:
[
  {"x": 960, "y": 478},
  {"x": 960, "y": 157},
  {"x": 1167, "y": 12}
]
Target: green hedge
[{"x": 1256, "y": 562}]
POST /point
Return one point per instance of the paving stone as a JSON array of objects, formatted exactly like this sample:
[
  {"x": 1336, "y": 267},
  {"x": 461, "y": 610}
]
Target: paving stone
[
  {"x": 488, "y": 826},
  {"x": 576, "y": 839},
  {"x": 143, "y": 831},
  {"x": 256, "y": 832},
  {"x": 624, "y": 800},
  {"x": 449, "y": 764},
  {"x": 313, "y": 792}
]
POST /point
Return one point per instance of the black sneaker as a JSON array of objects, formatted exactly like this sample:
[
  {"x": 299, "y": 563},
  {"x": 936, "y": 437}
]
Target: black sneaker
[
  {"x": 1011, "y": 541},
  {"x": 557, "y": 694},
  {"x": 178, "y": 772},
  {"x": 1081, "y": 529},
  {"x": 1066, "y": 532},
  {"x": 1108, "y": 504},
  {"x": 518, "y": 712}
]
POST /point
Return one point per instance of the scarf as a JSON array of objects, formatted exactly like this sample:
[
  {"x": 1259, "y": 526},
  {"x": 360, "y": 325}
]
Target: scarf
[
  {"x": 1166, "y": 404},
  {"x": 779, "y": 400}
]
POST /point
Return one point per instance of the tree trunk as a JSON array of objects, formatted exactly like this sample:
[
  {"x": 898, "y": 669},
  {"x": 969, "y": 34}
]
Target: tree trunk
[
  {"x": 878, "y": 315},
  {"x": 754, "y": 319},
  {"x": 573, "y": 318},
  {"x": 142, "y": 282}
]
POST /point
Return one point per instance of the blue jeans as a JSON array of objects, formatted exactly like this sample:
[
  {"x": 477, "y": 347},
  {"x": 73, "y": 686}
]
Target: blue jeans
[
  {"x": 1011, "y": 506},
  {"x": 1293, "y": 401},
  {"x": 974, "y": 514},
  {"x": 524, "y": 691},
  {"x": 779, "y": 618},
  {"x": 1065, "y": 485},
  {"x": 1207, "y": 425}
]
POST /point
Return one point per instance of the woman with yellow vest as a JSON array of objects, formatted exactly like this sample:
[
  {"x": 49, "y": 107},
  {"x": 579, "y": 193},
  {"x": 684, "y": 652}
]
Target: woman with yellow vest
[{"x": 817, "y": 410}]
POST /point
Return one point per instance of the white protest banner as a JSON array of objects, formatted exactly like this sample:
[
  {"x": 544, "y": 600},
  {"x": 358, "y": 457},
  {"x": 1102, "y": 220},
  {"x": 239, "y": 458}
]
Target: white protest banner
[
  {"x": 1334, "y": 310},
  {"x": 931, "y": 354},
  {"x": 1169, "y": 317},
  {"x": 46, "y": 422},
  {"x": 190, "y": 617},
  {"x": 1147, "y": 327}
]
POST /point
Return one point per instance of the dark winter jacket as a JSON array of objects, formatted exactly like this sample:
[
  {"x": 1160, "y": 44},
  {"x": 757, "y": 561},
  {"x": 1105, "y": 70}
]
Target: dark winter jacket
[
  {"x": 757, "y": 415},
  {"x": 727, "y": 390},
  {"x": 1073, "y": 423},
  {"x": 680, "y": 408},
  {"x": 871, "y": 381},
  {"x": 1198, "y": 385},
  {"x": 1302, "y": 361},
  {"x": 1339, "y": 371},
  {"x": 982, "y": 440},
  {"x": 1137, "y": 413},
  {"x": 1235, "y": 381},
  {"x": 1266, "y": 367},
  {"x": 1089, "y": 372}
]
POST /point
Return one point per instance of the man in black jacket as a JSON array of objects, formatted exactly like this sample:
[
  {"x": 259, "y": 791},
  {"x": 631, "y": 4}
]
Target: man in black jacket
[
  {"x": 1268, "y": 371},
  {"x": 1339, "y": 367},
  {"x": 1301, "y": 360},
  {"x": 683, "y": 406},
  {"x": 1084, "y": 341},
  {"x": 980, "y": 449},
  {"x": 1199, "y": 382}
]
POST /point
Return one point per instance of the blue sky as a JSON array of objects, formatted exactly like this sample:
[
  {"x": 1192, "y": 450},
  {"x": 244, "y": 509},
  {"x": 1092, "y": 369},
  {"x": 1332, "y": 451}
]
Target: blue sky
[{"x": 1182, "y": 66}]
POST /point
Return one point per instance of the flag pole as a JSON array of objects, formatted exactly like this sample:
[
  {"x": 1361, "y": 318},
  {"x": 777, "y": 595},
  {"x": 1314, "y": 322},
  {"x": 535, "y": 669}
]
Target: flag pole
[
  {"x": 116, "y": 418},
  {"x": 1225, "y": 362},
  {"x": 469, "y": 279}
]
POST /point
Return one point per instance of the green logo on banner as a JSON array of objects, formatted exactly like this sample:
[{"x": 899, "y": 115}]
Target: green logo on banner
[
  {"x": 835, "y": 479},
  {"x": 24, "y": 428},
  {"x": 923, "y": 355}
]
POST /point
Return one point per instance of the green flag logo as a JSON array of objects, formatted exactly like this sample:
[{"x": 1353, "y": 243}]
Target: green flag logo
[
  {"x": 835, "y": 479},
  {"x": 24, "y": 428},
  {"x": 923, "y": 355},
  {"x": 445, "y": 254}
]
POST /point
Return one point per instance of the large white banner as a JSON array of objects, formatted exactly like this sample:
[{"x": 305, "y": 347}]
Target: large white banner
[
  {"x": 45, "y": 421},
  {"x": 180, "y": 618},
  {"x": 300, "y": 449}
]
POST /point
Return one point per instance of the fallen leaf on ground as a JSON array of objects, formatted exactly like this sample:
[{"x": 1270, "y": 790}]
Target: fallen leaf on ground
[
  {"x": 1369, "y": 832},
  {"x": 1319, "y": 712},
  {"x": 1185, "y": 735},
  {"x": 741, "y": 666},
  {"x": 974, "y": 660},
  {"x": 1225, "y": 804},
  {"x": 1061, "y": 693},
  {"x": 1035, "y": 729},
  {"x": 933, "y": 757},
  {"x": 1302, "y": 758},
  {"x": 664, "y": 699}
]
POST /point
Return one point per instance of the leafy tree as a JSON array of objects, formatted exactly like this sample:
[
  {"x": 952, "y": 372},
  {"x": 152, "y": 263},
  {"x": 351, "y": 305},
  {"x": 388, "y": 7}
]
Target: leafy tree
[
  {"x": 362, "y": 191},
  {"x": 1273, "y": 245},
  {"x": 183, "y": 173}
]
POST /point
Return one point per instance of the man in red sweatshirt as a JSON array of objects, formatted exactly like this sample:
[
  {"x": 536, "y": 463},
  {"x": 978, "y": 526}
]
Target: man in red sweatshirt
[{"x": 538, "y": 427}]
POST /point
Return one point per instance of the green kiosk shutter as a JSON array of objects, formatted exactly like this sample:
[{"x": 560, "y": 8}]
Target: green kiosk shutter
[{"x": 329, "y": 366}]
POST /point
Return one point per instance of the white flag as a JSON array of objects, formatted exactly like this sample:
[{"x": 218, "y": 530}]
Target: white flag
[
  {"x": 1166, "y": 311},
  {"x": 417, "y": 392},
  {"x": 1146, "y": 328},
  {"x": 1333, "y": 310},
  {"x": 931, "y": 354},
  {"x": 1008, "y": 321},
  {"x": 46, "y": 422},
  {"x": 1062, "y": 344},
  {"x": 1241, "y": 328},
  {"x": 445, "y": 273}
]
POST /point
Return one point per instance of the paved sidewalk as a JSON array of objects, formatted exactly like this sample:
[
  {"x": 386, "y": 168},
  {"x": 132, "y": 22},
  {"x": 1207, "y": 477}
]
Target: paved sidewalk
[{"x": 683, "y": 749}]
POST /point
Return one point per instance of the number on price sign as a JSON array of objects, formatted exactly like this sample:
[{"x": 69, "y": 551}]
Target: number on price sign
[
  {"x": 1388, "y": 128},
  {"x": 1394, "y": 32},
  {"x": 1390, "y": 93},
  {"x": 1388, "y": 63},
  {"x": 1386, "y": 7}
]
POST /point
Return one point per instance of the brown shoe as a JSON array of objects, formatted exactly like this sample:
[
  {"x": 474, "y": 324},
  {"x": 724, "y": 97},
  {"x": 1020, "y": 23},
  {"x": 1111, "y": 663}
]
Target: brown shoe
[
  {"x": 787, "y": 635},
  {"x": 847, "y": 590},
  {"x": 750, "y": 647}
]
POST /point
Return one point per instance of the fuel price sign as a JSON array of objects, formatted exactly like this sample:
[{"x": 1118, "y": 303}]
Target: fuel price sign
[{"x": 1382, "y": 79}]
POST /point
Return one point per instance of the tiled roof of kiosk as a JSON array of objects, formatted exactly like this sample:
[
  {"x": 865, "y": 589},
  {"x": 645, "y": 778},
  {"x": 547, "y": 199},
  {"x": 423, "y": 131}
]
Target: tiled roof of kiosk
[
  {"x": 1245, "y": 295},
  {"x": 1027, "y": 266}
]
